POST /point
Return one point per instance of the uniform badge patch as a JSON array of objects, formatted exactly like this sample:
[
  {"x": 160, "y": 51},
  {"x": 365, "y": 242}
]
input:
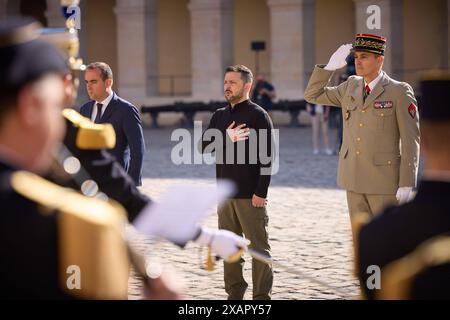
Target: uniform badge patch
[
  {"x": 383, "y": 104},
  {"x": 412, "y": 109}
]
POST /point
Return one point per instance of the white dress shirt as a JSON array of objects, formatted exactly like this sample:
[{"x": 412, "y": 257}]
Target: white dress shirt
[
  {"x": 104, "y": 103},
  {"x": 374, "y": 82}
]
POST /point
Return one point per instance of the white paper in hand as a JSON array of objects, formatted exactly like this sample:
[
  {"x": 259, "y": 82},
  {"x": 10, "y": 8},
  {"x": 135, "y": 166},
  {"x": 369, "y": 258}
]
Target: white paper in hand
[{"x": 177, "y": 215}]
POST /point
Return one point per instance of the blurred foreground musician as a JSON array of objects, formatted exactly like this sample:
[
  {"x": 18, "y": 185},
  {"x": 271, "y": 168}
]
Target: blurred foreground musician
[{"x": 410, "y": 243}]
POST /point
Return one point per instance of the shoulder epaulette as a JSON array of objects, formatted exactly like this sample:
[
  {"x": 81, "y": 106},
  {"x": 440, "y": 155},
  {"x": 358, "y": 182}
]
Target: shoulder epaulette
[
  {"x": 91, "y": 136},
  {"x": 92, "y": 254}
]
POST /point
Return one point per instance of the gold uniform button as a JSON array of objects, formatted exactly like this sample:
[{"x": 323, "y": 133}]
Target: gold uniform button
[
  {"x": 363, "y": 111},
  {"x": 389, "y": 162},
  {"x": 382, "y": 114},
  {"x": 358, "y": 153},
  {"x": 358, "y": 139},
  {"x": 361, "y": 125}
]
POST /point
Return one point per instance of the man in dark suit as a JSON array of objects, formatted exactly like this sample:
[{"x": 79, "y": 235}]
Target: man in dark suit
[
  {"x": 401, "y": 230},
  {"x": 107, "y": 107}
]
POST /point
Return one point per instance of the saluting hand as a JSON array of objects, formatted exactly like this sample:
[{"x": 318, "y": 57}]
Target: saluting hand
[
  {"x": 338, "y": 59},
  {"x": 239, "y": 133}
]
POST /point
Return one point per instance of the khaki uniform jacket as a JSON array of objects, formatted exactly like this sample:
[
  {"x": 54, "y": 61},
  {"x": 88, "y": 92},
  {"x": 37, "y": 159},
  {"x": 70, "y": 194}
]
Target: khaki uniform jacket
[{"x": 380, "y": 147}]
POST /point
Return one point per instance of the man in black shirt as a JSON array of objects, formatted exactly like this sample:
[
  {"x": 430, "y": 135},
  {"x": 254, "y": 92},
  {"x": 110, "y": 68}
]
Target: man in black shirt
[{"x": 243, "y": 155}]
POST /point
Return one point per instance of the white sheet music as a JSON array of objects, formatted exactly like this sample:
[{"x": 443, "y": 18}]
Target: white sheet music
[{"x": 177, "y": 215}]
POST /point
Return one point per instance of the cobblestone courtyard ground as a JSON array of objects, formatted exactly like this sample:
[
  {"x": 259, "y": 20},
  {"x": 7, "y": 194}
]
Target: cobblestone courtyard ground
[{"x": 309, "y": 227}]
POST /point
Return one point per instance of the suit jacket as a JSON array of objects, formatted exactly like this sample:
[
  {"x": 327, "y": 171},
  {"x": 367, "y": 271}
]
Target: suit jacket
[
  {"x": 371, "y": 160},
  {"x": 399, "y": 230},
  {"x": 130, "y": 145}
]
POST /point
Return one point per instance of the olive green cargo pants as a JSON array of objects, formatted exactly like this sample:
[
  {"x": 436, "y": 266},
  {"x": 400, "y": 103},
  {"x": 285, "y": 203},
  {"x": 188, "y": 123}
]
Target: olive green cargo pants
[{"x": 240, "y": 217}]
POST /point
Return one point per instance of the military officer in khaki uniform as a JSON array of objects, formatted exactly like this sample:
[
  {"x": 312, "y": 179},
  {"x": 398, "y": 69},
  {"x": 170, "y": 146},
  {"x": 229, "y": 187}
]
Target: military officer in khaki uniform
[{"x": 379, "y": 156}]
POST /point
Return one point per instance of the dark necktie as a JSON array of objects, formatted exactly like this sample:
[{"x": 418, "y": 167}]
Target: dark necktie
[
  {"x": 366, "y": 91},
  {"x": 99, "y": 113}
]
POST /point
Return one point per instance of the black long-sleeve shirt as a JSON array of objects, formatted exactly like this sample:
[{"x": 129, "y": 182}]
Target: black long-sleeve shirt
[{"x": 252, "y": 172}]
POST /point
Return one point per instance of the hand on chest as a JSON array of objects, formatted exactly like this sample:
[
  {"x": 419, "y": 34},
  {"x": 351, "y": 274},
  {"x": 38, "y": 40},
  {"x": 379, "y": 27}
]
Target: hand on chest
[{"x": 245, "y": 122}]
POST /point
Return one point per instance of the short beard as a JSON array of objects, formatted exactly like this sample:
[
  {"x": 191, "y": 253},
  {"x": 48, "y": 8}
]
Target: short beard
[{"x": 236, "y": 98}]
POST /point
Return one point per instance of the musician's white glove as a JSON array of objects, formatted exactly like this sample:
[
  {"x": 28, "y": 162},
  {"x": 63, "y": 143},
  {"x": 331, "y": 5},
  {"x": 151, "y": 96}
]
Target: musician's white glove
[
  {"x": 338, "y": 59},
  {"x": 404, "y": 194},
  {"x": 223, "y": 242}
]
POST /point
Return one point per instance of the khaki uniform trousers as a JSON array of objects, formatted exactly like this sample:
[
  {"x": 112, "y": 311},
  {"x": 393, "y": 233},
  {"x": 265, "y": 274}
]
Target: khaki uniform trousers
[
  {"x": 364, "y": 207},
  {"x": 240, "y": 217}
]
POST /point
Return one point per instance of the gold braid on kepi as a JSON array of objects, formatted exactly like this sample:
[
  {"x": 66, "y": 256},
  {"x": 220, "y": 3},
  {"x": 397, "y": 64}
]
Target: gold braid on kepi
[
  {"x": 66, "y": 40},
  {"x": 370, "y": 43}
]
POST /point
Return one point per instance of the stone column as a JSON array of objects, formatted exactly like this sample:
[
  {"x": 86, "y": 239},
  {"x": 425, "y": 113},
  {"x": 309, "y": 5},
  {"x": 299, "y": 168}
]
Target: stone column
[
  {"x": 131, "y": 49},
  {"x": 227, "y": 33},
  {"x": 212, "y": 49},
  {"x": 151, "y": 31},
  {"x": 3, "y": 8},
  {"x": 309, "y": 38},
  {"x": 54, "y": 14},
  {"x": 287, "y": 47},
  {"x": 391, "y": 27}
]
